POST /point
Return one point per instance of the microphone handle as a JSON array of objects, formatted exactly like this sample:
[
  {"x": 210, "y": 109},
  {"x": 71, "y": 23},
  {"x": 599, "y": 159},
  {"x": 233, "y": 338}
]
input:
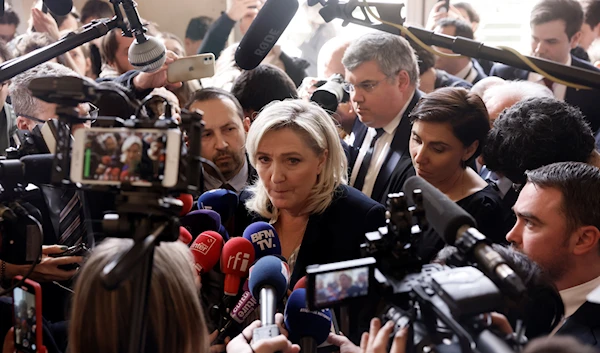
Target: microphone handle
[
  {"x": 268, "y": 305},
  {"x": 308, "y": 345}
]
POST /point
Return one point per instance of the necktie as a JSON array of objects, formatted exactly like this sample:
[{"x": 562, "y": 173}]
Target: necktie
[
  {"x": 71, "y": 229},
  {"x": 226, "y": 186},
  {"x": 366, "y": 162}
]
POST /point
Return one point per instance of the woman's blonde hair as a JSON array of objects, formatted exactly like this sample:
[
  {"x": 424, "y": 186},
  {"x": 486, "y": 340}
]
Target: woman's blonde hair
[
  {"x": 318, "y": 131},
  {"x": 101, "y": 319}
]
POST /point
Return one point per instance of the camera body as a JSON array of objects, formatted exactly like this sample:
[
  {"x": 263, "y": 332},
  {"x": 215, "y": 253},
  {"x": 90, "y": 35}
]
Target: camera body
[{"x": 330, "y": 93}]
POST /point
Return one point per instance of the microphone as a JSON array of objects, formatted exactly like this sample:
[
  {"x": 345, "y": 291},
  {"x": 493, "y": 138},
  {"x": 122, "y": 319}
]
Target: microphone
[
  {"x": 268, "y": 282},
  {"x": 206, "y": 250},
  {"x": 146, "y": 53},
  {"x": 184, "y": 235},
  {"x": 188, "y": 203},
  {"x": 264, "y": 32},
  {"x": 301, "y": 283},
  {"x": 237, "y": 255},
  {"x": 307, "y": 328},
  {"x": 264, "y": 238},
  {"x": 59, "y": 7},
  {"x": 199, "y": 221},
  {"x": 222, "y": 201},
  {"x": 240, "y": 312},
  {"x": 454, "y": 224}
]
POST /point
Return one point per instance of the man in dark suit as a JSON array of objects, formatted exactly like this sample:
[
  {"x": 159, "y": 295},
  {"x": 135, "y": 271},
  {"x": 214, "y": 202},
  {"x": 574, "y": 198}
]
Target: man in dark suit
[
  {"x": 382, "y": 77},
  {"x": 462, "y": 67},
  {"x": 556, "y": 29},
  {"x": 558, "y": 227},
  {"x": 223, "y": 140}
]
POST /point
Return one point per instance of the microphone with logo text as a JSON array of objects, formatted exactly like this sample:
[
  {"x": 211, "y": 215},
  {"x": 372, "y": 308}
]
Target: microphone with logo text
[
  {"x": 206, "y": 250},
  {"x": 240, "y": 312},
  {"x": 264, "y": 32},
  {"x": 236, "y": 259},
  {"x": 268, "y": 282},
  {"x": 456, "y": 227},
  {"x": 264, "y": 238},
  {"x": 307, "y": 328},
  {"x": 222, "y": 201}
]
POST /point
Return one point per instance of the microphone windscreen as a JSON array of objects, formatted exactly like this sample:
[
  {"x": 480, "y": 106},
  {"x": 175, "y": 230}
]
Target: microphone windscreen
[
  {"x": 59, "y": 7},
  {"x": 269, "y": 271},
  {"x": 264, "y": 32},
  {"x": 222, "y": 201},
  {"x": 188, "y": 203},
  {"x": 264, "y": 238},
  {"x": 148, "y": 56},
  {"x": 184, "y": 235},
  {"x": 301, "y": 283},
  {"x": 444, "y": 215},
  {"x": 206, "y": 250},
  {"x": 199, "y": 221},
  {"x": 245, "y": 306},
  {"x": 301, "y": 322},
  {"x": 236, "y": 258}
]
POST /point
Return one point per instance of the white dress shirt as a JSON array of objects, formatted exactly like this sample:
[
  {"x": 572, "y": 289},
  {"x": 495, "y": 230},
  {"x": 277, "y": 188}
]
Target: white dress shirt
[
  {"x": 238, "y": 182},
  {"x": 574, "y": 297},
  {"x": 468, "y": 73},
  {"x": 380, "y": 151},
  {"x": 558, "y": 90}
]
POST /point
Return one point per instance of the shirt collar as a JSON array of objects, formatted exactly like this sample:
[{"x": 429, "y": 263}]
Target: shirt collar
[
  {"x": 238, "y": 182},
  {"x": 537, "y": 77},
  {"x": 574, "y": 297},
  {"x": 465, "y": 71}
]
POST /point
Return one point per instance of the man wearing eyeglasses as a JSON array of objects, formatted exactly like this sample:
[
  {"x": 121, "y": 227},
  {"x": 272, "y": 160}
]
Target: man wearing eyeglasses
[{"x": 382, "y": 79}]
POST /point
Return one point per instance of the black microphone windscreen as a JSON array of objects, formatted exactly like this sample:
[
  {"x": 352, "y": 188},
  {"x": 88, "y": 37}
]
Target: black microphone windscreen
[
  {"x": 264, "y": 32},
  {"x": 59, "y": 7},
  {"x": 37, "y": 168},
  {"x": 444, "y": 215}
]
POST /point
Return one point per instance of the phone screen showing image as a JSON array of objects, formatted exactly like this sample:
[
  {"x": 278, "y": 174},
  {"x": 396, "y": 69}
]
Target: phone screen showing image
[
  {"x": 24, "y": 320},
  {"x": 124, "y": 156}
]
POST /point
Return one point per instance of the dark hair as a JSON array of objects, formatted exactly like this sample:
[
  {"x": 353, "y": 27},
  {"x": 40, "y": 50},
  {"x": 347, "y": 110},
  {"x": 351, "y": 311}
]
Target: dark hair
[
  {"x": 592, "y": 13},
  {"x": 462, "y": 28},
  {"x": 96, "y": 9},
  {"x": 256, "y": 88},
  {"x": 211, "y": 93},
  {"x": 558, "y": 344},
  {"x": 536, "y": 132},
  {"x": 5, "y": 54},
  {"x": 110, "y": 45},
  {"x": 568, "y": 11},
  {"x": 579, "y": 184},
  {"x": 473, "y": 15},
  {"x": 425, "y": 59},
  {"x": 462, "y": 109},
  {"x": 197, "y": 27},
  {"x": 10, "y": 17}
]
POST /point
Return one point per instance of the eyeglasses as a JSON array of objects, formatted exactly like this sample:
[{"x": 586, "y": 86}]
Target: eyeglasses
[
  {"x": 91, "y": 115},
  {"x": 364, "y": 86}
]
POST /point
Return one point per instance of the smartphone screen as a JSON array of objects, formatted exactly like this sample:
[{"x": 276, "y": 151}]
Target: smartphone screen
[
  {"x": 112, "y": 156},
  {"x": 333, "y": 287},
  {"x": 25, "y": 319}
]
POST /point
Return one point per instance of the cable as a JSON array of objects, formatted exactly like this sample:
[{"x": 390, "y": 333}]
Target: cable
[{"x": 534, "y": 67}]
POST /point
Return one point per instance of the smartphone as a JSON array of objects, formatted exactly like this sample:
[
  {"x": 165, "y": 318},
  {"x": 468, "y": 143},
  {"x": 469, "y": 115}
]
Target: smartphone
[
  {"x": 191, "y": 68},
  {"x": 338, "y": 283},
  {"x": 110, "y": 156},
  {"x": 27, "y": 316},
  {"x": 446, "y": 7}
]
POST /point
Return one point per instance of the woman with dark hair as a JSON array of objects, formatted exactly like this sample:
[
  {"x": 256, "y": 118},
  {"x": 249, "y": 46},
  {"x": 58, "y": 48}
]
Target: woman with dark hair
[{"x": 448, "y": 132}]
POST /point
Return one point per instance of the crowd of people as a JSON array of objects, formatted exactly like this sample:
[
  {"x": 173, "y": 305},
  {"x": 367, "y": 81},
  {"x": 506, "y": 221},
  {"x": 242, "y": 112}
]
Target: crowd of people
[{"x": 515, "y": 150}]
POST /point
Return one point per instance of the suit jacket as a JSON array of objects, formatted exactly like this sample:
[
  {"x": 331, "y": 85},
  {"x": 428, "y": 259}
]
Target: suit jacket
[
  {"x": 480, "y": 71},
  {"x": 585, "y": 100},
  {"x": 396, "y": 159},
  {"x": 584, "y": 325}
]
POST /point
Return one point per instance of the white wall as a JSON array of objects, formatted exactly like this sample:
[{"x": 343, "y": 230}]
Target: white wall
[{"x": 171, "y": 15}]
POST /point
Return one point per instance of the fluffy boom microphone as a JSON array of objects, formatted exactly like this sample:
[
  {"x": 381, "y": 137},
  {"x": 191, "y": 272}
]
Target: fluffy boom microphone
[
  {"x": 307, "y": 328},
  {"x": 264, "y": 32},
  {"x": 455, "y": 225}
]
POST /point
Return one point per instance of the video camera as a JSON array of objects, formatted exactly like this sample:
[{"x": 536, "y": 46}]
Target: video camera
[
  {"x": 330, "y": 93},
  {"x": 446, "y": 307}
]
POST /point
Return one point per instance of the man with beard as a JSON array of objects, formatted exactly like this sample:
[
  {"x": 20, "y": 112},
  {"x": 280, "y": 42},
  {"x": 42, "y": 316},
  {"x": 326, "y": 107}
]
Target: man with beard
[
  {"x": 555, "y": 30},
  {"x": 558, "y": 226},
  {"x": 223, "y": 139}
]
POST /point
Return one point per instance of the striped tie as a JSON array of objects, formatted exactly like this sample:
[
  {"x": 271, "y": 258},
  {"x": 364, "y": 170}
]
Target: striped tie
[{"x": 71, "y": 227}]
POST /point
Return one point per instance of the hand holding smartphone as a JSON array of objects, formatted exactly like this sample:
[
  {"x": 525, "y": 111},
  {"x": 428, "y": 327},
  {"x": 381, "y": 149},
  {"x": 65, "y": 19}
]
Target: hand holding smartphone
[{"x": 191, "y": 68}]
